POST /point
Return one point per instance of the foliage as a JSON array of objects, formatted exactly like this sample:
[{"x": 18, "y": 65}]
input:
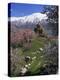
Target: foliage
[
  {"x": 21, "y": 37},
  {"x": 39, "y": 30},
  {"x": 52, "y": 13}
]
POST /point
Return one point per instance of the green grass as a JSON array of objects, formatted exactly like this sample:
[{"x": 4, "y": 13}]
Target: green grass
[
  {"x": 36, "y": 63},
  {"x": 36, "y": 44}
]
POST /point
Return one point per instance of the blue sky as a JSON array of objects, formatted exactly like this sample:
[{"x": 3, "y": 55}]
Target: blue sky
[{"x": 21, "y": 9}]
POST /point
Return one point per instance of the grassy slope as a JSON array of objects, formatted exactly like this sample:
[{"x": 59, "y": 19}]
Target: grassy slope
[{"x": 36, "y": 63}]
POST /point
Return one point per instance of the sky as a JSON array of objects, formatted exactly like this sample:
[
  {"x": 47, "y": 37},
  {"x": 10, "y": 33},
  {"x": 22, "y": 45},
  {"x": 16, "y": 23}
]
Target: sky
[{"x": 21, "y": 9}]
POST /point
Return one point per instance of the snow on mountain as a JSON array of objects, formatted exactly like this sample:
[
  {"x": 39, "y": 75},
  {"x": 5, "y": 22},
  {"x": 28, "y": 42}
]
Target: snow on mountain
[
  {"x": 35, "y": 17},
  {"x": 30, "y": 21}
]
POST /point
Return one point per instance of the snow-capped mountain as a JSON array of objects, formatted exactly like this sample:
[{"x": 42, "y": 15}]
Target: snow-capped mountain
[
  {"x": 30, "y": 21},
  {"x": 35, "y": 17}
]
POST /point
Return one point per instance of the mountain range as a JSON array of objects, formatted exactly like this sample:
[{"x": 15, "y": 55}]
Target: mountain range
[{"x": 30, "y": 22}]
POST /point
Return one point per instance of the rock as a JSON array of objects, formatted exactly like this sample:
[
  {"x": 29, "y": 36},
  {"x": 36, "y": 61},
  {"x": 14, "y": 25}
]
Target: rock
[
  {"x": 34, "y": 58},
  {"x": 27, "y": 58},
  {"x": 29, "y": 64},
  {"x": 23, "y": 71},
  {"x": 26, "y": 66},
  {"x": 41, "y": 49}
]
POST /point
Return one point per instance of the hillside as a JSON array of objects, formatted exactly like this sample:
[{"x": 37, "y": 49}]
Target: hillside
[
  {"x": 41, "y": 55},
  {"x": 33, "y": 46}
]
